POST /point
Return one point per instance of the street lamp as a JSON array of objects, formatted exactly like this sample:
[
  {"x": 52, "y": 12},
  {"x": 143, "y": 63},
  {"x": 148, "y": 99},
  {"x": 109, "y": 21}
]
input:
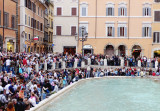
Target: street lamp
[{"x": 84, "y": 35}]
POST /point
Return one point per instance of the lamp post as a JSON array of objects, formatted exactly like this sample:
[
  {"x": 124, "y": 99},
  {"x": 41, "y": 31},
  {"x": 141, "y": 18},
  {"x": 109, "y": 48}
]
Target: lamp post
[{"x": 83, "y": 38}]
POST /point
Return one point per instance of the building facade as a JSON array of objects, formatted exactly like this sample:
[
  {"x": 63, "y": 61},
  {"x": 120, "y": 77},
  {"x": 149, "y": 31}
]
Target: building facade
[
  {"x": 31, "y": 25},
  {"x": 8, "y": 42},
  {"x": 116, "y": 27},
  {"x": 65, "y": 26},
  {"x": 156, "y": 29}
]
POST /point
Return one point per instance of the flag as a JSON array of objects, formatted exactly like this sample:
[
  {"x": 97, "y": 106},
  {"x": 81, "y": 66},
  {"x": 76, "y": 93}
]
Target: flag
[{"x": 36, "y": 38}]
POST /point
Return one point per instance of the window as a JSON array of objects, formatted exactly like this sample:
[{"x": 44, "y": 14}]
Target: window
[
  {"x": 110, "y": 31},
  {"x": 32, "y": 22},
  {"x": 41, "y": 27},
  {"x": 59, "y": 11},
  {"x": 29, "y": 36},
  {"x": 26, "y": 3},
  {"x": 122, "y": 11},
  {"x": 52, "y": 24},
  {"x": 29, "y": 21},
  {"x": 74, "y": 11},
  {"x": 58, "y": 30},
  {"x": 156, "y": 37},
  {"x": 13, "y": 19},
  {"x": 35, "y": 22},
  {"x": 109, "y": 11},
  {"x": 26, "y": 36},
  {"x": 38, "y": 25},
  {"x": 84, "y": 11},
  {"x": 157, "y": 0},
  {"x": 122, "y": 31},
  {"x": 157, "y": 16},
  {"x": 0, "y": 17},
  {"x": 38, "y": 10},
  {"x": 25, "y": 19},
  {"x": 146, "y": 31},
  {"x": 73, "y": 30},
  {"x": 146, "y": 11},
  {"x": 6, "y": 19}
]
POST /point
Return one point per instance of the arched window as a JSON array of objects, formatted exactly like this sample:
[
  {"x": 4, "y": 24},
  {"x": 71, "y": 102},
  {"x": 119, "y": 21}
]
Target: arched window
[
  {"x": 146, "y": 9},
  {"x": 122, "y": 10},
  {"x": 110, "y": 9}
]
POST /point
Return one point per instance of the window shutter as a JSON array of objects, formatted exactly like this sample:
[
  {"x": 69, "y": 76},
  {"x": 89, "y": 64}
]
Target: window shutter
[
  {"x": 125, "y": 11},
  {"x": 59, "y": 11},
  {"x": 125, "y": 29},
  {"x": 150, "y": 31},
  {"x": 73, "y": 30},
  {"x": 7, "y": 19},
  {"x": 113, "y": 32},
  {"x": 118, "y": 30},
  {"x": 80, "y": 31},
  {"x": 119, "y": 11},
  {"x": 112, "y": 11},
  {"x": 154, "y": 37},
  {"x": 143, "y": 28},
  {"x": 149, "y": 11},
  {"x": 143, "y": 12},
  {"x": 107, "y": 11},
  {"x": 74, "y": 10},
  {"x": 58, "y": 30},
  {"x": 85, "y": 30}
]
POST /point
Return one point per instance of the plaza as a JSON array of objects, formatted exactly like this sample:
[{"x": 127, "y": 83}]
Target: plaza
[{"x": 79, "y": 55}]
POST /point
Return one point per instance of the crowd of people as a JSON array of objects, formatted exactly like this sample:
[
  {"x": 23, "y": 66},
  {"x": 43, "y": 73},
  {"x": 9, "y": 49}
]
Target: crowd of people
[{"x": 22, "y": 86}]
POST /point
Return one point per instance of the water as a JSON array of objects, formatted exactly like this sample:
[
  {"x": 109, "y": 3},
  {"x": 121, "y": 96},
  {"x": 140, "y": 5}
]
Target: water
[{"x": 110, "y": 94}]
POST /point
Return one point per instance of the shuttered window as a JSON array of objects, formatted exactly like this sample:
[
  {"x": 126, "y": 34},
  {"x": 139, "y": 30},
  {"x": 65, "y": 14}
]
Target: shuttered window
[
  {"x": 146, "y": 31},
  {"x": 146, "y": 11},
  {"x": 59, "y": 11},
  {"x": 73, "y": 30},
  {"x": 13, "y": 21},
  {"x": 6, "y": 19},
  {"x": 26, "y": 3},
  {"x": 38, "y": 25},
  {"x": 109, "y": 11},
  {"x": 41, "y": 27},
  {"x": 110, "y": 31},
  {"x": 31, "y": 22},
  {"x": 157, "y": 16},
  {"x": 74, "y": 11},
  {"x": 122, "y": 32},
  {"x": 58, "y": 30},
  {"x": 122, "y": 11}
]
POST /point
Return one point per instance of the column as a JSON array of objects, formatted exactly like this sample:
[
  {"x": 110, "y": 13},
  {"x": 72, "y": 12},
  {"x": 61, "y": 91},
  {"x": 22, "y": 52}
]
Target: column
[{"x": 105, "y": 62}]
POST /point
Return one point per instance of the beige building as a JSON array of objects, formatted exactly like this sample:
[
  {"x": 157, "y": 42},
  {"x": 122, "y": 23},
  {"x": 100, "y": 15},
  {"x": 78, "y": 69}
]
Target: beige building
[
  {"x": 65, "y": 26},
  {"x": 31, "y": 25},
  {"x": 121, "y": 27},
  {"x": 156, "y": 29}
]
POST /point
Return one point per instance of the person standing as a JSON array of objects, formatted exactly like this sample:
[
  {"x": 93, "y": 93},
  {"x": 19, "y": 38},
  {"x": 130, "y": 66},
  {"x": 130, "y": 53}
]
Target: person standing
[
  {"x": 8, "y": 63},
  {"x": 88, "y": 71}
]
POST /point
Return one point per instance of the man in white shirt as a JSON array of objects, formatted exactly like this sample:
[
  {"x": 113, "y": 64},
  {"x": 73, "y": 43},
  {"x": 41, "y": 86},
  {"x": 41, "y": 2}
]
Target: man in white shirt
[
  {"x": 8, "y": 63},
  {"x": 7, "y": 89}
]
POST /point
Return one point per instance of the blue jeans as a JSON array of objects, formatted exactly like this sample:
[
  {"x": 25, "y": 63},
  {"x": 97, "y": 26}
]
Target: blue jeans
[
  {"x": 43, "y": 96},
  {"x": 12, "y": 69},
  {"x": 8, "y": 69},
  {"x": 88, "y": 74}
]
